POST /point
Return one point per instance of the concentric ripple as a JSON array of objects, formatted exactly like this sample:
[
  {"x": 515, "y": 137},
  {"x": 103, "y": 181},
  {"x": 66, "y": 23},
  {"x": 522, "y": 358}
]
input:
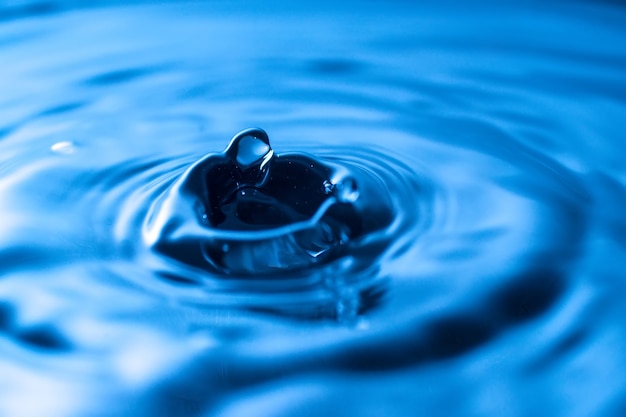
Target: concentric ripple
[{"x": 439, "y": 214}]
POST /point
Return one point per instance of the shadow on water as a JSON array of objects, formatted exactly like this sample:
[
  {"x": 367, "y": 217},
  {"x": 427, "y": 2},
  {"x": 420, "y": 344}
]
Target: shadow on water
[
  {"x": 120, "y": 76},
  {"x": 44, "y": 338},
  {"x": 27, "y": 10}
]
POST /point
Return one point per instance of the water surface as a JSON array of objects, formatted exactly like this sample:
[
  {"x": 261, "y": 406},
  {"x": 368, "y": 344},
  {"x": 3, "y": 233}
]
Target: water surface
[{"x": 494, "y": 289}]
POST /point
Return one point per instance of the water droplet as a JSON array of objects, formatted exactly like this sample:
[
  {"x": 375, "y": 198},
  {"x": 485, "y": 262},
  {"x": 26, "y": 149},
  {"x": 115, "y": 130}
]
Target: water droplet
[
  {"x": 63, "y": 147},
  {"x": 328, "y": 187},
  {"x": 362, "y": 324},
  {"x": 347, "y": 306},
  {"x": 250, "y": 148}
]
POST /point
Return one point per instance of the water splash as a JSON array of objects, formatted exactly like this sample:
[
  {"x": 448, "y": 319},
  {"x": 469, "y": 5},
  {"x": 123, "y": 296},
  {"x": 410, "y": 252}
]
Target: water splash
[{"x": 249, "y": 211}]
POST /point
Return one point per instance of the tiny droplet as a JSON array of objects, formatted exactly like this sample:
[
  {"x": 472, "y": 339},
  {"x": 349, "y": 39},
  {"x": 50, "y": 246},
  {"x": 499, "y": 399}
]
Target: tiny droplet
[{"x": 64, "y": 147}]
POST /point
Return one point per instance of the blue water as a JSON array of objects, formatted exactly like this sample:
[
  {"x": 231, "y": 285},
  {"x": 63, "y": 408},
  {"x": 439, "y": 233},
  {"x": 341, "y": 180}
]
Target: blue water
[{"x": 456, "y": 248}]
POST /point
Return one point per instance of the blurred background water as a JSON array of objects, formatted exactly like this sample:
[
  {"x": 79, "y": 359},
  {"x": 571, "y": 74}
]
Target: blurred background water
[{"x": 497, "y": 127}]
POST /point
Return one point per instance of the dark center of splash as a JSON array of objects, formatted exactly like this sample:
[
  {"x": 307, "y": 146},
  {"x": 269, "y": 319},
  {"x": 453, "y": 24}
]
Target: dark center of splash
[{"x": 248, "y": 210}]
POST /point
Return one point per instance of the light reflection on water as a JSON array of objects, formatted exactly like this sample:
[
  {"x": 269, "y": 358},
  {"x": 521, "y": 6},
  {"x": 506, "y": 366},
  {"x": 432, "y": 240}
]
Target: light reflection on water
[{"x": 497, "y": 130}]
